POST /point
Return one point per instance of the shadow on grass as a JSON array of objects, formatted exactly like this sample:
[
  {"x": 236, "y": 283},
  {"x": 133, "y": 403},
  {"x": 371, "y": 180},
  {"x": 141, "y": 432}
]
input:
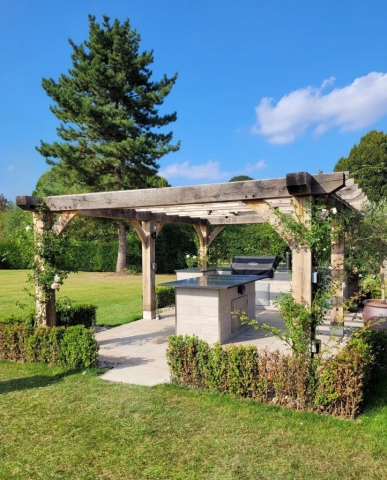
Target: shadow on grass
[{"x": 37, "y": 381}]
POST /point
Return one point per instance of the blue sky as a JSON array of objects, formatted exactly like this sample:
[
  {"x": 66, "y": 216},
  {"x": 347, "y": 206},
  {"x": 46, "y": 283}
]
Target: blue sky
[{"x": 265, "y": 87}]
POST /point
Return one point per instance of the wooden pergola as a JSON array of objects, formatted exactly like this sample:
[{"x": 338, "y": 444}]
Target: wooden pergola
[{"x": 204, "y": 206}]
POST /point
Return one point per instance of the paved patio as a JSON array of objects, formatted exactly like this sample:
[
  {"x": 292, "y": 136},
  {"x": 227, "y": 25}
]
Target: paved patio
[{"x": 137, "y": 349}]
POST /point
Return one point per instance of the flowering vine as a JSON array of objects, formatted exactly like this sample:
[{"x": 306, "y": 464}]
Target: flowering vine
[{"x": 48, "y": 265}]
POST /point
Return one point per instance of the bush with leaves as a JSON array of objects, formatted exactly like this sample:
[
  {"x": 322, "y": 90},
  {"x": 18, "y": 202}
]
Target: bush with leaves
[
  {"x": 73, "y": 347},
  {"x": 68, "y": 314},
  {"x": 165, "y": 296},
  {"x": 333, "y": 385}
]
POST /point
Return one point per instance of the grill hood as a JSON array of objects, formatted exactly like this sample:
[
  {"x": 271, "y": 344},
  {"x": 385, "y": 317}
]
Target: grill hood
[{"x": 254, "y": 265}]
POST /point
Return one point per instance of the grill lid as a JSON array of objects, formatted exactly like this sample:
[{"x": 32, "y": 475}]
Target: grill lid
[{"x": 254, "y": 265}]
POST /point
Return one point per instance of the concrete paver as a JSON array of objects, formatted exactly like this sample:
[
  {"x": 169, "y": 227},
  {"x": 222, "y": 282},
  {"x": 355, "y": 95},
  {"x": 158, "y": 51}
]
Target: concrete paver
[{"x": 138, "y": 349}]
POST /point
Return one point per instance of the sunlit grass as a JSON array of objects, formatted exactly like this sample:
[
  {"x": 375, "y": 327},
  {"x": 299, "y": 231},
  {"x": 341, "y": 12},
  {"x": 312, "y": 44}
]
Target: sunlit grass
[
  {"x": 61, "y": 424},
  {"x": 118, "y": 297}
]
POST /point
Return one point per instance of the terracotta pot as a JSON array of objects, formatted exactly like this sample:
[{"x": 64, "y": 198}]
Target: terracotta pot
[{"x": 375, "y": 313}]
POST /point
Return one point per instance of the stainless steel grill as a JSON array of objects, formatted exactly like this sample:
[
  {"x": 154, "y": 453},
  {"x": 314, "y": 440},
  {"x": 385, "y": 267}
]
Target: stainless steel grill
[{"x": 254, "y": 265}]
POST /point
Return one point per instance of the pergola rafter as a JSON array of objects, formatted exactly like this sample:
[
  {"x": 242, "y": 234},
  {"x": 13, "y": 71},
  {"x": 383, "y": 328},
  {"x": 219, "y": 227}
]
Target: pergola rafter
[{"x": 218, "y": 205}]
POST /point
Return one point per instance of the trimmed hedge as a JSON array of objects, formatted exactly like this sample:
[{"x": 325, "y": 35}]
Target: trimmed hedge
[
  {"x": 165, "y": 296},
  {"x": 71, "y": 315},
  {"x": 335, "y": 385},
  {"x": 73, "y": 347},
  {"x": 173, "y": 242}
]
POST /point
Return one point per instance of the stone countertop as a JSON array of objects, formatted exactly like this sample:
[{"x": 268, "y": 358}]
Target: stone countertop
[{"x": 214, "y": 282}]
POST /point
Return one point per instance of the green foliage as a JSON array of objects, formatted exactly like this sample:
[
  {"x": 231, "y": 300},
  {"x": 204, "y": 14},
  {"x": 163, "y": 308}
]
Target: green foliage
[
  {"x": 44, "y": 345},
  {"x": 165, "y": 296},
  {"x": 231, "y": 370},
  {"x": 68, "y": 314},
  {"x": 52, "y": 183},
  {"x": 73, "y": 347},
  {"x": 344, "y": 378},
  {"x": 93, "y": 256},
  {"x": 299, "y": 320},
  {"x": 79, "y": 348},
  {"x": 257, "y": 239},
  {"x": 50, "y": 262},
  {"x": 184, "y": 357},
  {"x": 172, "y": 243},
  {"x": 12, "y": 256},
  {"x": 334, "y": 385},
  {"x": 370, "y": 284},
  {"x": 3, "y": 203},
  {"x": 16, "y": 239},
  {"x": 367, "y": 242},
  {"x": 13, "y": 340},
  {"x": 367, "y": 164}
]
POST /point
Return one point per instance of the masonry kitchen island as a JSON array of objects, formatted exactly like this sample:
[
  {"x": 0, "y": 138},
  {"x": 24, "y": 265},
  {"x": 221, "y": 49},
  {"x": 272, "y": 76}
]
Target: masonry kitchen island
[{"x": 204, "y": 305}]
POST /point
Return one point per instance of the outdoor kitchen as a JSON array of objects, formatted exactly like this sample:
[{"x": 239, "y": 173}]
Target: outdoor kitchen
[{"x": 205, "y": 300}]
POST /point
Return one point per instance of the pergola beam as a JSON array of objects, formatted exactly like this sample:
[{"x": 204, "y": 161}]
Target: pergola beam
[{"x": 321, "y": 184}]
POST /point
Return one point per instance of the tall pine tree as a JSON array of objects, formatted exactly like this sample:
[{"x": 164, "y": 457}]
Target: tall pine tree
[{"x": 108, "y": 108}]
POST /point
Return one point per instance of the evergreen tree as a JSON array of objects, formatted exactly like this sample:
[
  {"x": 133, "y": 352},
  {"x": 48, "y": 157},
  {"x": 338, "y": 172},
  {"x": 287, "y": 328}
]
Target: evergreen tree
[
  {"x": 108, "y": 108},
  {"x": 367, "y": 164},
  {"x": 240, "y": 178}
]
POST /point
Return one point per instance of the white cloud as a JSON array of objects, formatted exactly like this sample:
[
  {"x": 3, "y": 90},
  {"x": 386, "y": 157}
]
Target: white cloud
[
  {"x": 10, "y": 168},
  {"x": 208, "y": 171},
  {"x": 353, "y": 107},
  {"x": 251, "y": 167}
]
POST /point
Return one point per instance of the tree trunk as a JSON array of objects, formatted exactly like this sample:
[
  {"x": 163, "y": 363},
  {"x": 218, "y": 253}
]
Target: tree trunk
[{"x": 122, "y": 247}]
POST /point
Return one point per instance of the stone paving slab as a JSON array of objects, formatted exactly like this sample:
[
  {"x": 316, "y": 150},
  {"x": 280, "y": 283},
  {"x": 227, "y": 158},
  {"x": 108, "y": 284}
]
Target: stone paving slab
[{"x": 137, "y": 350}]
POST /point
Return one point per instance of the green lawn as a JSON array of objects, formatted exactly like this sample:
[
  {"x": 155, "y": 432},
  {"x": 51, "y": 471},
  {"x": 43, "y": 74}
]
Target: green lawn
[
  {"x": 64, "y": 425},
  {"x": 59, "y": 424},
  {"x": 118, "y": 297}
]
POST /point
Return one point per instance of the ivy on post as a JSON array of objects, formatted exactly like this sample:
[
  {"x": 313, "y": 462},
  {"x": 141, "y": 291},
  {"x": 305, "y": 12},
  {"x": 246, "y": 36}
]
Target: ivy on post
[
  {"x": 203, "y": 233},
  {"x": 45, "y": 299},
  {"x": 337, "y": 264}
]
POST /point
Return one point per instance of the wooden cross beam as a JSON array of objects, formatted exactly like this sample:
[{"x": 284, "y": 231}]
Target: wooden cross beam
[{"x": 293, "y": 184}]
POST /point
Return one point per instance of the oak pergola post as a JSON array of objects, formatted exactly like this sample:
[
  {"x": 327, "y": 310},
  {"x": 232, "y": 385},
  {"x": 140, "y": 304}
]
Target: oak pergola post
[
  {"x": 145, "y": 231},
  {"x": 45, "y": 309},
  {"x": 302, "y": 256},
  {"x": 203, "y": 232},
  {"x": 337, "y": 264}
]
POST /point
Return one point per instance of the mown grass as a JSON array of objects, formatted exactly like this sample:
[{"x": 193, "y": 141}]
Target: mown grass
[
  {"x": 67, "y": 425},
  {"x": 118, "y": 297}
]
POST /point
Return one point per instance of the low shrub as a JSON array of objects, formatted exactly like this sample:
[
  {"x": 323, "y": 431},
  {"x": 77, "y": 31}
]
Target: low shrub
[
  {"x": 165, "y": 296},
  {"x": 44, "y": 345},
  {"x": 13, "y": 340},
  {"x": 184, "y": 357},
  {"x": 73, "y": 347},
  {"x": 78, "y": 348},
  {"x": 343, "y": 380},
  {"x": 68, "y": 314},
  {"x": 335, "y": 385}
]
